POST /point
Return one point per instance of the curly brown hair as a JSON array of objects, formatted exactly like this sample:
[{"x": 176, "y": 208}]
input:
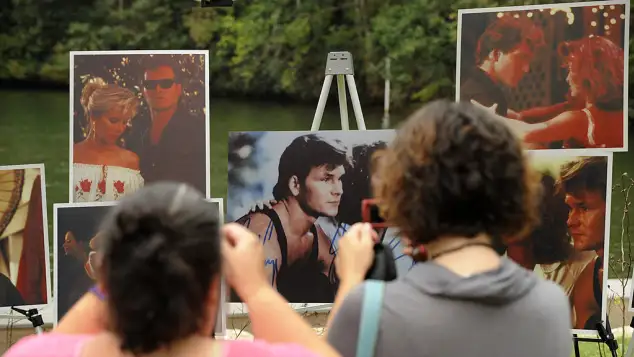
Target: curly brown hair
[
  {"x": 596, "y": 65},
  {"x": 455, "y": 170}
]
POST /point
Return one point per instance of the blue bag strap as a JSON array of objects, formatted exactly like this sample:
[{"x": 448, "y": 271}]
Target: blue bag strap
[{"x": 370, "y": 317}]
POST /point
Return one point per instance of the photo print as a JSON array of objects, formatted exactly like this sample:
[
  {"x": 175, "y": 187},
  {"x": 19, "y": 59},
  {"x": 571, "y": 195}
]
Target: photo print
[
  {"x": 556, "y": 73},
  {"x": 570, "y": 242},
  {"x": 24, "y": 250},
  {"x": 77, "y": 242},
  {"x": 137, "y": 117},
  {"x": 300, "y": 192}
]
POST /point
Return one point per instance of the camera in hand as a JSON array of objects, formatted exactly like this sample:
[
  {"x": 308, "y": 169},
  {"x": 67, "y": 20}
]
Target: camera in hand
[{"x": 383, "y": 266}]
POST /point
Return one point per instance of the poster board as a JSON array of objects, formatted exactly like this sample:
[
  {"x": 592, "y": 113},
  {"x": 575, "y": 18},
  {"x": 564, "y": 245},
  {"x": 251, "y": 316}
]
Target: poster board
[{"x": 24, "y": 247}]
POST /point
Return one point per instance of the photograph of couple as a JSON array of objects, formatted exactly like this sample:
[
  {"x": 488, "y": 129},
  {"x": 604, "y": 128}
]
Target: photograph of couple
[
  {"x": 569, "y": 244},
  {"x": 137, "y": 117},
  {"x": 300, "y": 192},
  {"x": 555, "y": 73},
  {"x": 24, "y": 250}
]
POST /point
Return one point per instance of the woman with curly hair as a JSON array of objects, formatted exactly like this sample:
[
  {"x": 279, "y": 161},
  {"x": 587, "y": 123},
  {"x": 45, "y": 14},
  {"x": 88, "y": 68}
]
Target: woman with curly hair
[
  {"x": 596, "y": 78},
  {"x": 456, "y": 183}
]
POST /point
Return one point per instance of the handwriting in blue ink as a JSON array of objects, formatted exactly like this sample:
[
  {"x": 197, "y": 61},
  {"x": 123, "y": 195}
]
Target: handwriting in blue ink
[
  {"x": 340, "y": 232},
  {"x": 268, "y": 233},
  {"x": 273, "y": 264}
]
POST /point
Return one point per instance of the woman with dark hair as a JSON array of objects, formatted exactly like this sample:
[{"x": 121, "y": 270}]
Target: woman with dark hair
[
  {"x": 455, "y": 182},
  {"x": 159, "y": 284}
]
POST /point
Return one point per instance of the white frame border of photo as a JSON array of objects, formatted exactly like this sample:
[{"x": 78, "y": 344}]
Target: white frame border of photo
[
  {"x": 223, "y": 310},
  {"x": 71, "y": 197},
  {"x": 5, "y": 312},
  {"x": 608, "y": 204},
  {"x": 626, "y": 43}
]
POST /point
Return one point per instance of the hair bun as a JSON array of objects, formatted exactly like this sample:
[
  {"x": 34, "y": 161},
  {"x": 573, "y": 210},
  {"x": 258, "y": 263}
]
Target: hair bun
[{"x": 89, "y": 88}]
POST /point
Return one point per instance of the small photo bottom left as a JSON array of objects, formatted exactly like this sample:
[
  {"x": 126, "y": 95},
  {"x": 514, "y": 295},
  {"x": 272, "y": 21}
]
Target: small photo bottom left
[{"x": 77, "y": 240}]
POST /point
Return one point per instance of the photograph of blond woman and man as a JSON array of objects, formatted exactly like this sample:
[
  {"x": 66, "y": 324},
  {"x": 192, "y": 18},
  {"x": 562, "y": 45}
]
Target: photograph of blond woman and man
[
  {"x": 78, "y": 242},
  {"x": 24, "y": 250},
  {"x": 556, "y": 73},
  {"x": 300, "y": 191},
  {"x": 137, "y": 117}
]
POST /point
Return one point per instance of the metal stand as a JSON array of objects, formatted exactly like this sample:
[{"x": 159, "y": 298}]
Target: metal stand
[
  {"x": 339, "y": 64},
  {"x": 605, "y": 336},
  {"x": 33, "y": 316}
]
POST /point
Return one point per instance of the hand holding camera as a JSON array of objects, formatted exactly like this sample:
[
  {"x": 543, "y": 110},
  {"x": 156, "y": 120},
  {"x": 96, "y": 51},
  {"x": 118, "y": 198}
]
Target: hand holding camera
[{"x": 356, "y": 254}]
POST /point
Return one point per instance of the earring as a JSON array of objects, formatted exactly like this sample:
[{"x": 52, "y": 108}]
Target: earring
[{"x": 92, "y": 130}]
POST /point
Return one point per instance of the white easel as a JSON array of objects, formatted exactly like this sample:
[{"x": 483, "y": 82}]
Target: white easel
[{"x": 339, "y": 64}]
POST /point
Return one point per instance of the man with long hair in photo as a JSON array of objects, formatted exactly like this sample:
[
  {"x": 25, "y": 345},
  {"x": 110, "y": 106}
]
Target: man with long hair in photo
[
  {"x": 504, "y": 55},
  {"x": 173, "y": 144},
  {"x": 102, "y": 169},
  {"x": 585, "y": 185},
  {"x": 299, "y": 257}
]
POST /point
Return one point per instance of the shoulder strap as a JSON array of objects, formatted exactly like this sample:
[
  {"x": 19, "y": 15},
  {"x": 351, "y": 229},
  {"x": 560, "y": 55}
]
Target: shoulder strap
[
  {"x": 370, "y": 317},
  {"x": 590, "y": 126},
  {"x": 314, "y": 253}
]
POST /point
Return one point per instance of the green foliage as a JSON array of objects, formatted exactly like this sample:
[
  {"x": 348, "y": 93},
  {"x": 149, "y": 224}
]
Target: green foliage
[{"x": 258, "y": 48}]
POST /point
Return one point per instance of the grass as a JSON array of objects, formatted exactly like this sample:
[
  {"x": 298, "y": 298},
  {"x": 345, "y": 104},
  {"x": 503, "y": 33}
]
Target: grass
[{"x": 590, "y": 349}]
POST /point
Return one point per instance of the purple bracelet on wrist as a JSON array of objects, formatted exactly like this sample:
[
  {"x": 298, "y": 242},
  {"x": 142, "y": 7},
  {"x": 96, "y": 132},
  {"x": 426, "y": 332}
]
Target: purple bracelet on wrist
[{"x": 95, "y": 290}]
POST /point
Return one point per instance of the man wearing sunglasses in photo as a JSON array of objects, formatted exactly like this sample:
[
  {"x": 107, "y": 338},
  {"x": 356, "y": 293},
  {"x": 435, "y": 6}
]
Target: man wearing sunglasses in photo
[{"x": 172, "y": 147}]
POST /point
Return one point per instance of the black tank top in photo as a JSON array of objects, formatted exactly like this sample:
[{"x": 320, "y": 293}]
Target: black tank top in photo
[{"x": 304, "y": 280}]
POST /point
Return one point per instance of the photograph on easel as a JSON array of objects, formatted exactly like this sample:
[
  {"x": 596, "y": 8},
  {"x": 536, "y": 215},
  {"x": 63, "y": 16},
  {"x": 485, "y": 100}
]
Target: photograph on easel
[
  {"x": 300, "y": 192},
  {"x": 557, "y": 73},
  {"x": 24, "y": 249},
  {"x": 137, "y": 117},
  {"x": 570, "y": 242},
  {"x": 77, "y": 246}
]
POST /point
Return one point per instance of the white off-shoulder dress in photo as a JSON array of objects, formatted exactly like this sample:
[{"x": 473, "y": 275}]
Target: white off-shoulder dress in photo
[{"x": 103, "y": 183}]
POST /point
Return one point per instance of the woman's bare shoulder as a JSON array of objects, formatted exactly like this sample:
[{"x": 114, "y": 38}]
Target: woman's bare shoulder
[{"x": 129, "y": 159}]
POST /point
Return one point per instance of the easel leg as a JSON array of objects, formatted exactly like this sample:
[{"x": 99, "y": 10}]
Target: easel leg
[
  {"x": 576, "y": 345},
  {"x": 356, "y": 103},
  {"x": 343, "y": 102},
  {"x": 323, "y": 98},
  {"x": 340, "y": 64}
]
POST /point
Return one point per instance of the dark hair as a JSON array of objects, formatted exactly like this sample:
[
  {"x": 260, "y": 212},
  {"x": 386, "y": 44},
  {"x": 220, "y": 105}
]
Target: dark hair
[
  {"x": 455, "y": 169},
  {"x": 150, "y": 62},
  {"x": 508, "y": 33},
  {"x": 161, "y": 254},
  {"x": 550, "y": 240},
  {"x": 304, "y": 153},
  {"x": 357, "y": 185},
  {"x": 586, "y": 174}
]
